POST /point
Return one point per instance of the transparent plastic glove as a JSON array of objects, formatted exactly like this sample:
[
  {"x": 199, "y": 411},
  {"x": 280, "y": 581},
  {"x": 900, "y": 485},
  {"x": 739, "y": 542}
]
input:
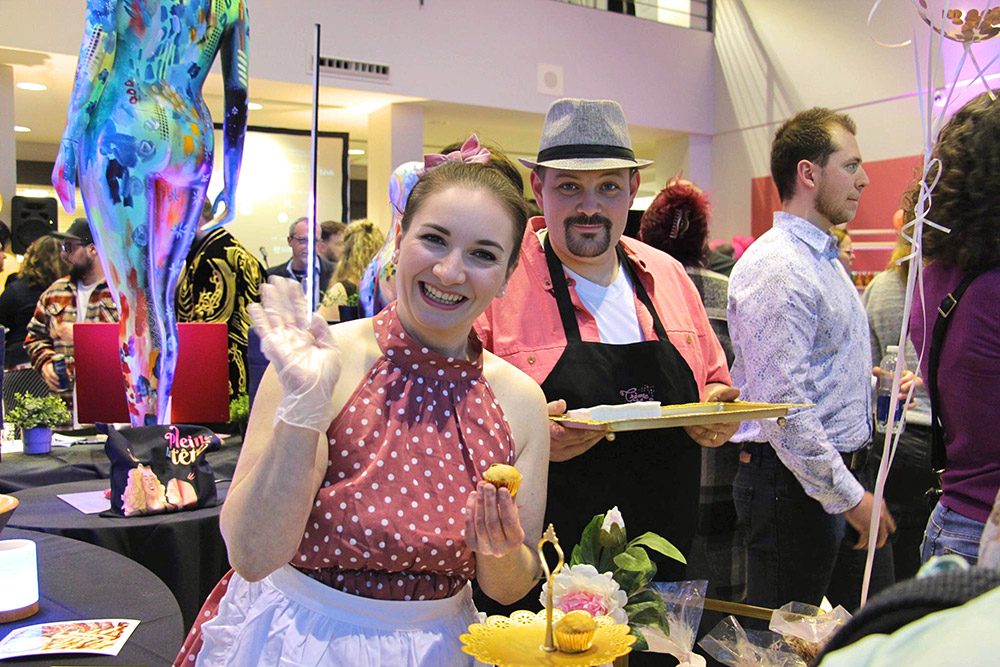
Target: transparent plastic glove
[{"x": 303, "y": 352}]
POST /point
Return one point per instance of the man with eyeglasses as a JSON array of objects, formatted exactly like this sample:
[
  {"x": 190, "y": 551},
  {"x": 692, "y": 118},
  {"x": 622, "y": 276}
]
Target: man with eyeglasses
[
  {"x": 298, "y": 241},
  {"x": 81, "y": 296}
]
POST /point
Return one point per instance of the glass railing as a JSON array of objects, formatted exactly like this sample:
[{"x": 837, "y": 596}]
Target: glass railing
[{"x": 695, "y": 14}]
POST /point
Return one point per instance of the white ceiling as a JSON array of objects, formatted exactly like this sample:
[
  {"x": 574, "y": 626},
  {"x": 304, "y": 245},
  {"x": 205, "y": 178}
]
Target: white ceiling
[{"x": 287, "y": 105}]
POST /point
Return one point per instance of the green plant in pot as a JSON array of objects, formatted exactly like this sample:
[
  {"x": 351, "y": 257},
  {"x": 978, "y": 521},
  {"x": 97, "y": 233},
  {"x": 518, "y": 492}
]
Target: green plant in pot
[
  {"x": 352, "y": 310},
  {"x": 239, "y": 412},
  {"x": 35, "y": 416}
]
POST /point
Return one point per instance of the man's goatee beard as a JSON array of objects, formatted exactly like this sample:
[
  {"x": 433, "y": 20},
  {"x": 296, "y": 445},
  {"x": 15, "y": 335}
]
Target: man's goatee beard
[{"x": 587, "y": 247}]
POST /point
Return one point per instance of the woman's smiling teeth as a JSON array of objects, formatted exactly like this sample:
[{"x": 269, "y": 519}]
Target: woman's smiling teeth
[{"x": 441, "y": 297}]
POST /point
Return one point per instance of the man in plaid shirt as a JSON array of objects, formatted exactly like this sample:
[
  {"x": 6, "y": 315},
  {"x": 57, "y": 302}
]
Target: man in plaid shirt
[{"x": 82, "y": 296}]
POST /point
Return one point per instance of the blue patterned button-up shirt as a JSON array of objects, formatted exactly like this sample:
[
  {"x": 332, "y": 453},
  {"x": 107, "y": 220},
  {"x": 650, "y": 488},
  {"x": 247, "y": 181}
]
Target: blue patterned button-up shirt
[{"x": 800, "y": 335}]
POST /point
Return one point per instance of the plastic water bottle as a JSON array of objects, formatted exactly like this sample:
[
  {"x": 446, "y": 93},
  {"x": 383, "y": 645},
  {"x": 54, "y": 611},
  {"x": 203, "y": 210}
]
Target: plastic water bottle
[{"x": 884, "y": 393}]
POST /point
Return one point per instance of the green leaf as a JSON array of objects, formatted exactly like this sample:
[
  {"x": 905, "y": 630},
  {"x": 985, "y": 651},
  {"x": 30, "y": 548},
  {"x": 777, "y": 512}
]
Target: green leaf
[
  {"x": 635, "y": 570},
  {"x": 647, "y": 595},
  {"x": 587, "y": 551},
  {"x": 645, "y": 613},
  {"x": 658, "y": 544},
  {"x": 239, "y": 408},
  {"x": 648, "y": 608},
  {"x": 629, "y": 581},
  {"x": 640, "y": 641},
  {"x": 634, "y": 559},
  {"x": 31, "y": 411},
  {"x": 606, "y": 561}
]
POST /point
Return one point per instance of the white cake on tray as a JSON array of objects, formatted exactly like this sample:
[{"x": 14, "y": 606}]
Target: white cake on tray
[{"x": 607, "y": 413}]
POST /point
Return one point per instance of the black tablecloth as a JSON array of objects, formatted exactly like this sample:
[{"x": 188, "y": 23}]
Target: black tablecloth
[
  {"x": 184, "y": 549},
  {"x": 80, "y": 462},
  {"x": 80, "y": 581}
]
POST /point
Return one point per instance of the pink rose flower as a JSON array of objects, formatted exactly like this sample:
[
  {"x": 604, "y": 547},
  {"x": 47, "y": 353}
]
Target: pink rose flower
[
  {"x": 589, "y": 601},
  {"x": 583, "y": 587}
]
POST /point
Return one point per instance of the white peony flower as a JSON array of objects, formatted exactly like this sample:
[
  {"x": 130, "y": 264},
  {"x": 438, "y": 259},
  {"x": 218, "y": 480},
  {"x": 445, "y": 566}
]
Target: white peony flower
[
  {"x": 613, "y": 518},
  {"x": 583, "y": 587}
]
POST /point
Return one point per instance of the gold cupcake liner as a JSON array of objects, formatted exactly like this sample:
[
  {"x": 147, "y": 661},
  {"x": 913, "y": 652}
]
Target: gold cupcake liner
[
  {"x": 574, "y": 642},
  {"x": 511, "y": 486}
]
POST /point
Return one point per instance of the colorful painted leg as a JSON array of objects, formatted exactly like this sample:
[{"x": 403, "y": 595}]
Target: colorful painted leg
[{"x": 173, "y": 220}]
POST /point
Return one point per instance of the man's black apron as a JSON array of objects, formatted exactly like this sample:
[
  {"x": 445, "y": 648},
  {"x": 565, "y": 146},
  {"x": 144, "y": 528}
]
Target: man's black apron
[{"x": 652, "y": 476}]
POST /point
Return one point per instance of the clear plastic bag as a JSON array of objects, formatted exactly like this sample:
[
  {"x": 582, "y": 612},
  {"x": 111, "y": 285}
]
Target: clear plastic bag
[
  {"x": 731, "y": 645},
  {"x": 685, "y": 602},
  {"x": 807, "y": 628}
]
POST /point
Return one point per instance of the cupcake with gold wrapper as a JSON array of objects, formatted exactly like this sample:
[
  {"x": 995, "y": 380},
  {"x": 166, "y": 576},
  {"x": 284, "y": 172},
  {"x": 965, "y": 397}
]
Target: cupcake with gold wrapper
[
  {"x": 575, "y": 631},
  {"x": 504, "y": 476}
]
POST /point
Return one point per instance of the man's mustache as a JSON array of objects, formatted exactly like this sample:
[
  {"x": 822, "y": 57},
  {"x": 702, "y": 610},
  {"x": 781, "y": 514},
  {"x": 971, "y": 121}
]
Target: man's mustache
[{"x": 596, "y": 219}]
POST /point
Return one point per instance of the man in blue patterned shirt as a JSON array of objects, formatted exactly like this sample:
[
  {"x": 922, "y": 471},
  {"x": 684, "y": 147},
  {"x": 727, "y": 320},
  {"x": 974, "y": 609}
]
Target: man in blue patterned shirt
[{"x": 800, "y": 335}]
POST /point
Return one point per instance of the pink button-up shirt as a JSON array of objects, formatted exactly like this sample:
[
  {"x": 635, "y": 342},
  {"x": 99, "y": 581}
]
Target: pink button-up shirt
[{"x": 523, "y": 326}]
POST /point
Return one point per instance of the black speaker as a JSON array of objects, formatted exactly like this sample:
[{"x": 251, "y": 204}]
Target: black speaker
[{"x": 31, "y": 218}]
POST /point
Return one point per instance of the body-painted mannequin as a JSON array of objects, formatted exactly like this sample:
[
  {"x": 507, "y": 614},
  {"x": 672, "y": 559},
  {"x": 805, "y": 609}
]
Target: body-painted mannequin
[{"x": 139, "y": 138}]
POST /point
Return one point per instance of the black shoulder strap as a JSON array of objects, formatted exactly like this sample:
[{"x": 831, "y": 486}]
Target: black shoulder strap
[
  {"x": 561, "y": 290},
  {"x": 945, "y": 311}
]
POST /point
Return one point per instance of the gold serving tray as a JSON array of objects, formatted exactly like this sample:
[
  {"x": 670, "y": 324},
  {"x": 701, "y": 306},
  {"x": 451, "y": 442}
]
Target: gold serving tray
[
  {"x": 688, "y": 414},
  {"x": 519, "y": 641}
]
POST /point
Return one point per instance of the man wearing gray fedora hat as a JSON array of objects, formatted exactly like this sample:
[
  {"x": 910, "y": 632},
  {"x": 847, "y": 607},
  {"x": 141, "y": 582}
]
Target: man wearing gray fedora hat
[{"x": 598, "y": 318}]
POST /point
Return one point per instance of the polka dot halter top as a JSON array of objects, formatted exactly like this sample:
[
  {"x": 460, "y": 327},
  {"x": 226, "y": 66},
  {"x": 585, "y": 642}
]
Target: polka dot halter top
[{"x": 405, "y": 452}]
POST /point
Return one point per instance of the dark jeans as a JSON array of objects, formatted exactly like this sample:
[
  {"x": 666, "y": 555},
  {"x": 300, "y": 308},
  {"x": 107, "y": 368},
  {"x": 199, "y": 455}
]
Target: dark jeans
[
  {"x": 910, "y": 476},
  {"x": 795, "y": 550}
]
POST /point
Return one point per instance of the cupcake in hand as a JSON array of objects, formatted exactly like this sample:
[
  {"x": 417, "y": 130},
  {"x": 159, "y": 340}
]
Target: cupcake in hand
[{"x": 503, "y": 476}]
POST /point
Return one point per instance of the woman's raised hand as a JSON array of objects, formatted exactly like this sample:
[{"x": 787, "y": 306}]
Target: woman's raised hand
[
  {"x": 492, "y": 524},
  {"x": 299, "y": 345}
]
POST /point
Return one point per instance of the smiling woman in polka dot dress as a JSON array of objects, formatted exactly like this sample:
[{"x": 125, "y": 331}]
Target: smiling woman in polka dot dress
[{"x": 358, "y": 515}]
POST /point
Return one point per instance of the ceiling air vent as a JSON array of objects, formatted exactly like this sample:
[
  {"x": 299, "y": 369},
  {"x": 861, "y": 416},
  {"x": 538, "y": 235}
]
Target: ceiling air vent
[{"x": 352, "y": 68}]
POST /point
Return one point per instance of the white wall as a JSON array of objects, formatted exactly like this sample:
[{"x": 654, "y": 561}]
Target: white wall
[
  {"x": 769, "y": 60},
  {"x": 778, "y": 57},
  {"x": 482, "y": 52}
]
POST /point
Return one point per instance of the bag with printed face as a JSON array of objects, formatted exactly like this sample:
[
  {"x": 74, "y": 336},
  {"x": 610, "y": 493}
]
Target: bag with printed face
[{"x": 158, "y": 469}]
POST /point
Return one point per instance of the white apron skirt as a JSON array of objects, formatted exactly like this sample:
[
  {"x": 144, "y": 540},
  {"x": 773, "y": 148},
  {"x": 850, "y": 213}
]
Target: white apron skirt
[{"x": 290, "y": 620}]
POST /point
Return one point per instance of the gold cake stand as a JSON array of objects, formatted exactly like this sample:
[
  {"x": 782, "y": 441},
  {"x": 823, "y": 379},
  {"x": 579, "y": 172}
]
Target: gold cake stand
[{"x": 525, "y": 639}]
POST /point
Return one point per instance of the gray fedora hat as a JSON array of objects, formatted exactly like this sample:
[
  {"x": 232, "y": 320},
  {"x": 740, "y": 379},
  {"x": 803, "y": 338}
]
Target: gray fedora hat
[{"x": 585, "y": 135}]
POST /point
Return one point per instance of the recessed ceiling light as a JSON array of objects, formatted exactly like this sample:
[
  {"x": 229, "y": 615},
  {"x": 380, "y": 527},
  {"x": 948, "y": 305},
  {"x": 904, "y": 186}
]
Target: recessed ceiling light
[
  {"x": 254, "y": 106},
  {"x": 21, "y": 128},
  {"x": 355, "y": 151},
  {"x": 30, "y": 85}
]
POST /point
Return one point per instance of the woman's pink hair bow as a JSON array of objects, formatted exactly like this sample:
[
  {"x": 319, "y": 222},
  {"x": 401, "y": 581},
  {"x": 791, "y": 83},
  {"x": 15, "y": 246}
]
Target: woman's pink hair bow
[{"x": 471, "y": 151}]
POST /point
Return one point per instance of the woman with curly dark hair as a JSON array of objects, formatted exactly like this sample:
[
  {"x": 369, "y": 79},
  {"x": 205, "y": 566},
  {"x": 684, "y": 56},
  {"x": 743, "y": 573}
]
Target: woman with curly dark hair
[
  {"x": 42, "y": 265},
  {"x": 967, "y": 202},
  {"x": 676, "y": 222}
]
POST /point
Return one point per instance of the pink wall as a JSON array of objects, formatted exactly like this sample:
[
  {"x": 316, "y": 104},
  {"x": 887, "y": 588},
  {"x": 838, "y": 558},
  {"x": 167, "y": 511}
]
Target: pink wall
[{"x": 871, "y": 230}]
